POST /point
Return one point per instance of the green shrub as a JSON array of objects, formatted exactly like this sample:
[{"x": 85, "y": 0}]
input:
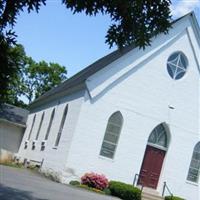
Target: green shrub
[
  {"x": 124, "y": 191},
  {"x": 173, "y": 198},
  {"x": 74, "y": 183},
  {"x": 107, "y": 191}
]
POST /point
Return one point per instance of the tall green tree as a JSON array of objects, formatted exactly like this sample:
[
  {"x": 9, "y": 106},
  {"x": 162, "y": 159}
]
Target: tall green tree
[
  {"x": 33, "y": 78},
  {"x": 133, "y": 21},
  {"x": 9, "y": 57},
  {"x": 13, "y": 89},
  {"x": 39, "y": 77}
]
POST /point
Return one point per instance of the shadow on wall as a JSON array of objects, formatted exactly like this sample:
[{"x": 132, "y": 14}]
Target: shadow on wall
[{"x": 8, "y": 193}]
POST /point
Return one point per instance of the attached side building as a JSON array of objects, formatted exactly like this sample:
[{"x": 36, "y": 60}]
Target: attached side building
[{"x": 12, "y": 127}]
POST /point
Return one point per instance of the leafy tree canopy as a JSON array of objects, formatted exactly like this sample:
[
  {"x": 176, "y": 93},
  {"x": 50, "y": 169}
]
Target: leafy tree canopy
[
  {"x": 132, "y": 21},
  {"x": 33, "y": 78}
]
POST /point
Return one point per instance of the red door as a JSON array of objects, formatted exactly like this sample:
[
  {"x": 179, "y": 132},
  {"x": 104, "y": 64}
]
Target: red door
[{"x": 151, "y": 167}]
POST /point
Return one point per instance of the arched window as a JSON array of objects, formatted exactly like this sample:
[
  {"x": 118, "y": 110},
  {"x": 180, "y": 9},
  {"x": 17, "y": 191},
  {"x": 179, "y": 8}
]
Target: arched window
[
  {"x": 33, "y": 122},
  {"x": 40, "y": 125},
  {"x": 194, "y": 170},
  {"x": 158, "y": 136},
  {"x": 111, "y": 136},
  {"x": 50, "y": 124},
  {"x": 61, "y": 126}
]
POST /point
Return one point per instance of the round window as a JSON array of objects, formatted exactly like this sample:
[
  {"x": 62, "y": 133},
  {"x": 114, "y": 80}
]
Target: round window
[{"x": 177, "y": 65}]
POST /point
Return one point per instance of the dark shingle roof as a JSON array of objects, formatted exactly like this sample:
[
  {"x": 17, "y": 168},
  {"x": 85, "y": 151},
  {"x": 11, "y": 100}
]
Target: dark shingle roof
[{"x": 13, "y": 114}]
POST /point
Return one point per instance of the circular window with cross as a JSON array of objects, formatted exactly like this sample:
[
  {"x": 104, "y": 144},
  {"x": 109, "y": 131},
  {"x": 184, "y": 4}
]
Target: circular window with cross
[{"x": 177, "y": 65}]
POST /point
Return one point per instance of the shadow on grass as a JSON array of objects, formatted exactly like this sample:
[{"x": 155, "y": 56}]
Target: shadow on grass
[{"x": 8, "y": 193}]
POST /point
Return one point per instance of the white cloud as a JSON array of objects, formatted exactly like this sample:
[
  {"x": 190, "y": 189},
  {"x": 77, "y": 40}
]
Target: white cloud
[{"x": 182, "y": 7}]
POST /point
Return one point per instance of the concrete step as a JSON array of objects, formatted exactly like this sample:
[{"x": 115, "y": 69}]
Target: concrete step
[
  {"x": 150, "y": 194},
  {"x": 151, "y": 197}
]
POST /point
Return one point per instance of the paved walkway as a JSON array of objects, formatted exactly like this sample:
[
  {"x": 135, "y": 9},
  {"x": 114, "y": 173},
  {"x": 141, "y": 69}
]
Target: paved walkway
[{"x": 21, "y": 184}]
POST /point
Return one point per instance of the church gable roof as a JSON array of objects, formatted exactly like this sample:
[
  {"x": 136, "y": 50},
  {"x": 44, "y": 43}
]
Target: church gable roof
[{"x": 81, "y": 77}]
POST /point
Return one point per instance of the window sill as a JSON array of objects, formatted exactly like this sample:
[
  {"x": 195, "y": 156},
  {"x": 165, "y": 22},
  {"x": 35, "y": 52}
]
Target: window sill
[
  {"x": 105, "y": 158},
  {"x": 192, "y": 183},
  {"x": 55, "y": 148}
]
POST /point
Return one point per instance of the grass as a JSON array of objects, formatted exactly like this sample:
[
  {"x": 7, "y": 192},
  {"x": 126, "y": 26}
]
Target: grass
[
  {"x": 90, "y": 189},
  {"x": 85, "y": 187},
  {"x": 11, "y": 164}
]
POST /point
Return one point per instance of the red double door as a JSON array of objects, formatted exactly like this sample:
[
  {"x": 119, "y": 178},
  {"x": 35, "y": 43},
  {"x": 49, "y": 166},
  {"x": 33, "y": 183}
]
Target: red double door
[{"x": 151, "y": 167}]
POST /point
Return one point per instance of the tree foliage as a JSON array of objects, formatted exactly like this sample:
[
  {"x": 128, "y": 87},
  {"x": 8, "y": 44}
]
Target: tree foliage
[
  {"x": 9, "y": 56},
  {"x": 33, "y": 78},
  {"x": 133, "y": 21},
  {"x": 39, "y": 77}
]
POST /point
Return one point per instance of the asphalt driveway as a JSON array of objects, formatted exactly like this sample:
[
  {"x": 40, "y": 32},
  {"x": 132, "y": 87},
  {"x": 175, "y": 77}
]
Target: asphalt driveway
[{"x": 21, "y": 184}]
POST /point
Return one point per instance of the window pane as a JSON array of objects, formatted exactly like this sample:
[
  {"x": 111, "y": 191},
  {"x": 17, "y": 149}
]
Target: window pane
[
  {"x": 194, "y": 169},
  {"x": 111, "y": 138},
  {"x": 107, "y": 153},
  {"x": 50, "y": 124},
  {"x": 107, "y": 149},
  {"x": 111, "y": 135},
  {"x": 113, "y": 128},
  {"x": 193, "y": 175},
  {"x": 32, "y": 127},
  {"x": 177, "y": 65},
  {"x": 196, "y": 155},
  {"x": 158, "y": 136},
  {"x": 108, "y": 146},
  {"x": 40, "y": 125},
  {"x": 197, "y": 148},
  {"x": 61, "y": 126},
  {"x": 116, "y": 119},
  {"x": 152, "y": 137},
  {"x": 195, "y": 164}
]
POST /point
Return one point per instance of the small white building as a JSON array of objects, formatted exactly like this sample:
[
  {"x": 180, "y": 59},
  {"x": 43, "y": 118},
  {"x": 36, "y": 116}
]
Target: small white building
[
  {"x": 12, "y": 127},
  {"x": 131, "y": 112}
]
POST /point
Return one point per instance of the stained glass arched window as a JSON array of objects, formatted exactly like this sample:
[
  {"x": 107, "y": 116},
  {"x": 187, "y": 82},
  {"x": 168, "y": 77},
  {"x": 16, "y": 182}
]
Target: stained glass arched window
[
  {"x": 111, "y": 136},
  {"x": 158, "y": 136},
  {"x": 177, "y": 65},
  {"x": 194, "y": 170}
]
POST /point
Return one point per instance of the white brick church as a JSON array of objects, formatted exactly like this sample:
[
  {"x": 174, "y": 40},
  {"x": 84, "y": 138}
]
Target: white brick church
[{"x": 131, "y": 112}]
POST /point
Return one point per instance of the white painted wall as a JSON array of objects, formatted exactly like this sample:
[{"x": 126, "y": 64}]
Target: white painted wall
[
  {"x": 143, "y": 95},
  {"x": 10, "y": 139},
  {"x": 54, "y": 157},
  {"x": 139, "y": 86}
]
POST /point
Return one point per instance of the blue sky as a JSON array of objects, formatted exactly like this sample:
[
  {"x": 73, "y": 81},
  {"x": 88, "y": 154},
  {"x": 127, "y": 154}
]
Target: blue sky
[{"x": 75, "y": 41}]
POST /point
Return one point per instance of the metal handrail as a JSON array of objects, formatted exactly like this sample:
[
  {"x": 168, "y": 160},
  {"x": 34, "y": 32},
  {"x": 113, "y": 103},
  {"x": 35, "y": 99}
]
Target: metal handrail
[
  {"x": 136, "y": 177},
  {"x": 166, "y": 187}
]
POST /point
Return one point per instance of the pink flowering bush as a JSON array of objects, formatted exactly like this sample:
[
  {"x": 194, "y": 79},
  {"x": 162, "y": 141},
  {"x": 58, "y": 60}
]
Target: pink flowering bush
[{"x": 94, "y": 180}]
